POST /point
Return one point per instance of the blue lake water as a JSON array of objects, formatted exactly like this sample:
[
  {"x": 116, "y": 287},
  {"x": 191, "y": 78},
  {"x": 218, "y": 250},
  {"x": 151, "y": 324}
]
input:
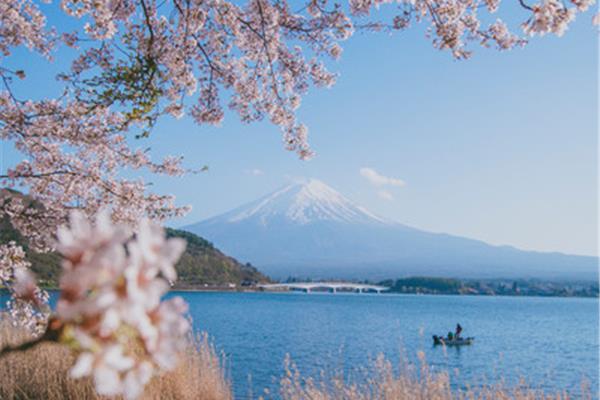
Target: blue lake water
[{"x": 551, "y": 342}]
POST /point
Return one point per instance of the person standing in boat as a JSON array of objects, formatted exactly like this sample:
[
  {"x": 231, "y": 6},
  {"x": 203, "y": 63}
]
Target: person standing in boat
[{"x": 458, "y": 331}]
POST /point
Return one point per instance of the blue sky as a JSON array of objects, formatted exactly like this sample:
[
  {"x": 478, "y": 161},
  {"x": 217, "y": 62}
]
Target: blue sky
[{"x": 502, "y": 147}]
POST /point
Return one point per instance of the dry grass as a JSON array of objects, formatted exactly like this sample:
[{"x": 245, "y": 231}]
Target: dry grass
[
  {"x": 42, "y": 373},
  {"x": 382, "y": 383}
]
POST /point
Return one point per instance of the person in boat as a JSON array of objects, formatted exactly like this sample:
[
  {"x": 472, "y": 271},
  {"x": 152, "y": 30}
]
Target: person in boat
[{"x": 458, "y": 331}]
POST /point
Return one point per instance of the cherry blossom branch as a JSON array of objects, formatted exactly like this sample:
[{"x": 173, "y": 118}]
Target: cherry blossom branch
[
  {"x": 36, "y": 175},
  {"x": 148, "y": 24}
]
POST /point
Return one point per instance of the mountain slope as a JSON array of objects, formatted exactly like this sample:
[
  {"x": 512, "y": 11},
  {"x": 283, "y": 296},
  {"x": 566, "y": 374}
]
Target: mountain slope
[
  {"x": 200, "y": 264},
  {"x": 308, "y": 229}
]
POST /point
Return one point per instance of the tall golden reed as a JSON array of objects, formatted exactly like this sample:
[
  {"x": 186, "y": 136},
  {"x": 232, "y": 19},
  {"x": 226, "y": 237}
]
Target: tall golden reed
[
  {"x": 409, "y": 383},
  {"x": 42, "y": 373}
]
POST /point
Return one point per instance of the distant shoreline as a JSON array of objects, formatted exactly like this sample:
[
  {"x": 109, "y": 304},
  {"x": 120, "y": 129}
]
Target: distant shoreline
[
  {"x": 225, "y": 290},
  {"x": 426, "y": 286}
]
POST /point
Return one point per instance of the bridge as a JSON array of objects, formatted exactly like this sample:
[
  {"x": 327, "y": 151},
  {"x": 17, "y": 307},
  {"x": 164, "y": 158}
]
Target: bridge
[{"x": 330, "y": 286}]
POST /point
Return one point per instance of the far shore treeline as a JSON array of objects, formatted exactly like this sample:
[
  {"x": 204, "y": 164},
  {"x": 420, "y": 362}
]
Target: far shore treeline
[
  {"x": 492, "y": 287},
  {"x": 483, "y": 287}
]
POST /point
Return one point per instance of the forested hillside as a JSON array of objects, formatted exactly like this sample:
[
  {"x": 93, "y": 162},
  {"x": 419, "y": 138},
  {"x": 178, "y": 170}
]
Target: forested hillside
[{"x": 201, "y": 264}]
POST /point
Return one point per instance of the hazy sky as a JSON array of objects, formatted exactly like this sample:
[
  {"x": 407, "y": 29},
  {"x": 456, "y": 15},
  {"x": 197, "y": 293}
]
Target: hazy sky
[{"x": 502, "y": 147}]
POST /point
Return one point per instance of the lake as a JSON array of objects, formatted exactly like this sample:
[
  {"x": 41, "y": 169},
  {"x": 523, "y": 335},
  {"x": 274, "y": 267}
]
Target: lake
[{"x": 551, "y": 342}]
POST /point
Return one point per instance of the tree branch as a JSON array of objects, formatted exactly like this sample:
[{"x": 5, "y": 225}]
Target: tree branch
[{"x": 522, "y": 3}]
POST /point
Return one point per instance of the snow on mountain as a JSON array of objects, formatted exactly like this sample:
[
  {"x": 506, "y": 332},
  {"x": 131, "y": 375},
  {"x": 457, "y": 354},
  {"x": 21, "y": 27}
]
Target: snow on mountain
[
  {"x": 302, "y": 203},
  {"x": 307, "y": 229}
]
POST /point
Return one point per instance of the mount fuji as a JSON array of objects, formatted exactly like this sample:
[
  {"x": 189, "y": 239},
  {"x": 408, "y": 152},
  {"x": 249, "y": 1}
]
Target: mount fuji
[{"x": 308, "y": 229}]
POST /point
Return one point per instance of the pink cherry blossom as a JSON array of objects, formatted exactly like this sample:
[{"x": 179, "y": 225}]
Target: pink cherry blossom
[
  {"x": 110, "y": 302},
  {"x": 157, "y": 254},
  {"x": 28, "y": 304}
]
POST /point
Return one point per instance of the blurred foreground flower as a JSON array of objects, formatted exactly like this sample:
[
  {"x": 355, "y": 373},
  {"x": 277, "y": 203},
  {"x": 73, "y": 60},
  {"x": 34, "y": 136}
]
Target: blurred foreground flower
[{"x": 110, "y": 310}]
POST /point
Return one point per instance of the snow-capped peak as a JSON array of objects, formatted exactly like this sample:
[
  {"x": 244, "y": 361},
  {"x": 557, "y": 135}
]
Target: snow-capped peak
[{"x": 302, "y": 203}]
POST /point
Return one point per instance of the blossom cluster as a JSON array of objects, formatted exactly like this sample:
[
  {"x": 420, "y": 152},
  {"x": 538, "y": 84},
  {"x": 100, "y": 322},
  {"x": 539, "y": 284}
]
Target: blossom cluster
[
  {"x": 22, "y": 23},
  {"x": 110, "y": 309},
  {"x": 73, "y": 159},
  {"x": 197, "y": 47},
  {"x": 27, "y": 306}
]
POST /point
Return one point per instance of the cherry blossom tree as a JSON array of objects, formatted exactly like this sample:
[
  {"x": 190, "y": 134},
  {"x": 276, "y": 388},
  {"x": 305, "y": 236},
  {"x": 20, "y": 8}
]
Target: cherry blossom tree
[{"x": 133, "y": 62}]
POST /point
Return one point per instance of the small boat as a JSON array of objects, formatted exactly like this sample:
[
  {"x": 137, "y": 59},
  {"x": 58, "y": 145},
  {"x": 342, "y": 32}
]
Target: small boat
[{"x": 452, "y": 342}]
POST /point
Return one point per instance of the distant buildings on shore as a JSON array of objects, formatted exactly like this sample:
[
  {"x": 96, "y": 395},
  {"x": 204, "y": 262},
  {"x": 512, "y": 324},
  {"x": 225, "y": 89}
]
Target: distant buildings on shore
[{"x": 498, "y": 287}]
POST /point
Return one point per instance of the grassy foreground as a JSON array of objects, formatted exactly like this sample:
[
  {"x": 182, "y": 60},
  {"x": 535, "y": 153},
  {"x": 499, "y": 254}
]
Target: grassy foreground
[
  {"x": 382, "y": 383},
  {"x": 42, "y": 373}
]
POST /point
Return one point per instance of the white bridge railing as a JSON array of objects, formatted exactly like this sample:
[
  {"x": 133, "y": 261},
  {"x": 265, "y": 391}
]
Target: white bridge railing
[{"x": 331, "y": 286}]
